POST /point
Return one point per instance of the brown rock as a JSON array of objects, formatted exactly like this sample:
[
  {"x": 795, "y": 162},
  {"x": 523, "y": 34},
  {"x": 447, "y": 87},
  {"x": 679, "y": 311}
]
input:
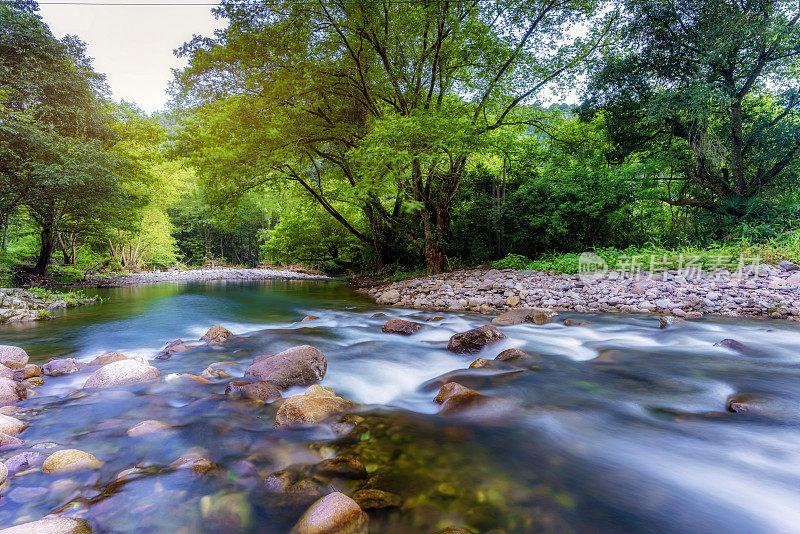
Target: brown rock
[
  {"x": 454, "y": 398},
  {"x": 11, "y": 425},
  {"x": 51, "y": 525},
  {"x": 399, "y": 326},
  {"x": 263, "y": 391},
  {"x": 376, "y": 315},
  {"x": 308, "y": 318},
  {"x": 341, "y": 467},
  {"x": 33, "y": 382},
  {"x": 297, "y": 366},
  {"x": 108, "y": 357},
  {"x": 745, "y": 403},
  {"x": 171, "y": 348},
  {"x": 217, "y": 333},
  {"x": 70, "y": 461},
  {"x": 571, "y": 322},
  {"x": 335, "y": 513},
  {"x": 309, "y": 409},
  {"x": 510, "y": 355},
  {"x": 474, "y": 340},
  {"x": 374, "y": 499},
  {"x": 211, "y": 373},
  {"x": 481, "y": 363}
]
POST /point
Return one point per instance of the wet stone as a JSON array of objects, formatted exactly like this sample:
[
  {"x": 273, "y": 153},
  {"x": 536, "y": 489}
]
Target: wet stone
[
  {"x": 400, "y": 326},
  {"x": 537, "y": 316},
  {"x": 60, "y": 366},
  {"x": 147, "y": 427},
  {"x": 297, "y": 366},
  {"x": 454, "y": 398},
  {"x": 374, "y": 499},
  {"x": 216, "y": 333},
  {"x": 108, "y": 357},
  {"x": 13, "y": 357},
  {"x": 24, "y": 461},
  {"x": 335, "y": 513},
  {"x": 51, "y": 525},
  {"x": 474, "y": 340},
  {"x": 70, "y": 461},
  {"x": 263, "y": 391},
  {"x": 341, "y": 467},
  {"x": 510, "y": 355}
]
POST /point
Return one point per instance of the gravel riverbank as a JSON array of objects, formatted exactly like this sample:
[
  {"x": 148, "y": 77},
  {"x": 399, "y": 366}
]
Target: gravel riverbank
[
  {"x": 198, "y": 275},
  {"x": 759, "y": 291}
]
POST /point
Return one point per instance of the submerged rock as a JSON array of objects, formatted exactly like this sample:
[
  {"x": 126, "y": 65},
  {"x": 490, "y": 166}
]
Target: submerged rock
[
  {"x": 150, "y": 426},
  {"x": 538, "y": 316},
  {"x": 195, "y": 461},
  {"x": 70, "y": 461},
  {"x": 310, "y": 408},
  {"x": 374, "y": 499},
  {"x": 60, "y": 366},
  {"x": 217, "y": 334},
  {"x": 509, "y": 355},
  {"x": 171, "y": 348},
  {"x": 308, "y": 318},
  {"x": 572, "y": 322},
  {"x": 297, "y": 366},
  {"x": 665, "y": 321},
  {"x": 341, "y": 467},
  {"x": 263, "y": 391},
  {"x": 454, "y": 398},
  {"x": 399, "y": 326},
  {"x": 13, "y": 357},
  {"x": 335, "y": 513},
  {"x": 226, "y": 512},
  {"x": 109, "y": 357},
  {"x": 24, "y": 461},
  {"x": 122, "y": 373},
  {"x": 9, "y": 442},
  {"x": 51, "y": 525},
  {"x": 740, "y": 347},
  {"x": 745, "y": 403},
  {"x": 474, "y": 340},
  {"x": 482, "y": 363}
]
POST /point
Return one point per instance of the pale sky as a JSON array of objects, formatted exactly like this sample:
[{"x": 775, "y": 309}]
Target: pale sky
[{"x": 133, "y": 45}]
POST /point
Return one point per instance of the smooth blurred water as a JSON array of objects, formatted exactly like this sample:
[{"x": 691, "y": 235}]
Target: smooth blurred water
[{"x": 637, "y": 440}]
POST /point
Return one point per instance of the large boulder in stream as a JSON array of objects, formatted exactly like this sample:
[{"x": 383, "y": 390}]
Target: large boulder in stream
[
  {"x": 51, "y": 525},
  {"x": 13, "y": 357},
  {"x": 122, "y": 373},
  {"x": 335, "y": 513},
  {"x": 474, "y": 340},
  {"x": 216, "y": 334},
  {"x": 313, "y": 407},
  {"x": 400, "y": 326},
  {"x": 297, "y": 366}
]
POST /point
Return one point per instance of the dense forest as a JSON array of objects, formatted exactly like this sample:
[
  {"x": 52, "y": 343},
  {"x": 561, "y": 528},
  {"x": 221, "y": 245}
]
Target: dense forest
[{"x": 394, "y": 136}]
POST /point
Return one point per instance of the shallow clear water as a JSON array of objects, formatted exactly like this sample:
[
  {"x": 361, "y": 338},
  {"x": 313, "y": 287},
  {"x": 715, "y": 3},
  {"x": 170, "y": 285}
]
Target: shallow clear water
[{"x": 637, "y": 440}]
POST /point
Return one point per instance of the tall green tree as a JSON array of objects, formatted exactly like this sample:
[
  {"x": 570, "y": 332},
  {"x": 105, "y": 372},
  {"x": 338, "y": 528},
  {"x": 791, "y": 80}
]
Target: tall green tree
[
  {"x": 54, "y": 132},
  {"x": 716, "y": 79},
  {"x": 377, "y": 105}
]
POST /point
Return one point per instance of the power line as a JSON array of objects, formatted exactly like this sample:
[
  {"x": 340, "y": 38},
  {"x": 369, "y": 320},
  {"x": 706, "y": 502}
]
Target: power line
[{"x": 157, "y": 4}]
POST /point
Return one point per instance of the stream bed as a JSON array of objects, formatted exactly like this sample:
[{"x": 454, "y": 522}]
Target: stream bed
[{"x": 620, "y": 426}]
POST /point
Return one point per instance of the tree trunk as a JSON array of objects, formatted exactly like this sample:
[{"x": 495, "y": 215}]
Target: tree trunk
[
  {"x": 737, "y": 164},
  {"x": 46, "y": 252}
]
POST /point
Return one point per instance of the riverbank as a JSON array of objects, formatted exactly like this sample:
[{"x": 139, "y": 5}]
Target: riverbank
[
  {"x": 197, "y": 275},
  {"x": 20, "y": 305},
  {"x": 759, "y": 291}
]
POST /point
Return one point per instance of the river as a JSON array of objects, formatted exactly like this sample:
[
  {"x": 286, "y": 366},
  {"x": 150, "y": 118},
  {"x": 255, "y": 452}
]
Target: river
[{"x": 636, "y": 440}]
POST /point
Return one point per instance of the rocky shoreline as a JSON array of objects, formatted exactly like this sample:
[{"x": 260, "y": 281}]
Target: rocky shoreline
[
  {"x": 758, "y": 291},
  {"x": 18, "y": 305},
  {"x": 197, "y": 275}
]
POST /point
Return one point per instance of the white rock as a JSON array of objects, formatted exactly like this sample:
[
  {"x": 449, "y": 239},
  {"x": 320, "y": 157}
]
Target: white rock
[{"x": 122, "y": 373}]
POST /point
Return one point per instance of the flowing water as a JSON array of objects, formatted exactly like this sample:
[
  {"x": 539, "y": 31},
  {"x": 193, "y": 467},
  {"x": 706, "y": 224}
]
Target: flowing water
[{"x": 635, "y": 440}]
